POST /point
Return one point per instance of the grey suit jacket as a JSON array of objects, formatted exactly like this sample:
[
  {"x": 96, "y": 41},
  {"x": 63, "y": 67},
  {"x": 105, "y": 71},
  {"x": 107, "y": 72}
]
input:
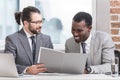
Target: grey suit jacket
[
  {"x": 101, "y": 51},
  {"x": 18, "y": 45}
]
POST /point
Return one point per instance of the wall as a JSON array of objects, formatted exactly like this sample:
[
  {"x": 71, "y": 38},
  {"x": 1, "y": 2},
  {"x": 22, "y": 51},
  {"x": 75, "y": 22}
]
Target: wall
[
  {"x": 103, "y": 15},
  {"x": 115, "y": 22}
]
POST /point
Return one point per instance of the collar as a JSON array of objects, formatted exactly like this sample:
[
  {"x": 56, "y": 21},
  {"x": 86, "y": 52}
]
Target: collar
[
  {"x": 88, "y": 39},
  {"x": 27, "y": 34}
]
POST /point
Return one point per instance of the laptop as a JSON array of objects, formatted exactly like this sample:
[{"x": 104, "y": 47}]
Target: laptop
[
  {"x": 7, "y": 65},
  {"x": 60, "y": 62}
]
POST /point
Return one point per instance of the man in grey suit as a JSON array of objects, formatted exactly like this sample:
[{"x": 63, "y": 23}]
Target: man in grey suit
[
  {"x": 20, "y": 44},
  {"x": 98, "y": 45}
]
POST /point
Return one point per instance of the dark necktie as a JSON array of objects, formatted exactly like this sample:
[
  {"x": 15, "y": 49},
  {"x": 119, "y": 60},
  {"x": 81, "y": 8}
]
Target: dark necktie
[
  {"x": 84, "y": 52},
  {"x": 83, "y": 47},
  {"x": 33, "y": 47}
]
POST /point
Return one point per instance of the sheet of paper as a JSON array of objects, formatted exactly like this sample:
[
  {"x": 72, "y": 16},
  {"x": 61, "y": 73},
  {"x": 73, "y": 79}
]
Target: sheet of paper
[{"x": 60, "y": 62}]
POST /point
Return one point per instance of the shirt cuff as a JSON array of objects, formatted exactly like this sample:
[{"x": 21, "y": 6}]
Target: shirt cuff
[
  {"x": 24, "y": 72},
  {"x": 91, "y": 70}
]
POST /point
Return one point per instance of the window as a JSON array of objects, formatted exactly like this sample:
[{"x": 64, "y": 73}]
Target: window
[
  {"x": 59, "y": 14},
  {"x": 7, "y": 21}
]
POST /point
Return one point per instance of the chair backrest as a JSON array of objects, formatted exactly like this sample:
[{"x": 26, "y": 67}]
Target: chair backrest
[
  {"x": 117, "y": 54},
  {"x": 2, "y": 51}
]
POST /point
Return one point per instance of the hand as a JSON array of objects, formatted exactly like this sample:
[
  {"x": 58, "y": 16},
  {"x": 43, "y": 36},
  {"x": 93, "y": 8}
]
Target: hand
[
  {"x": 85, "y": 72},
  {"x": 35, "y": 69}
]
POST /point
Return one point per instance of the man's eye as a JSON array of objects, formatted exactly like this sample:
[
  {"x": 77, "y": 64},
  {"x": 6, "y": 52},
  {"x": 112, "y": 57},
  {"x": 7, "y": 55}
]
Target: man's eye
[
  {"x": 73, "y": 29},
  {"x": 79, "y": 30}
]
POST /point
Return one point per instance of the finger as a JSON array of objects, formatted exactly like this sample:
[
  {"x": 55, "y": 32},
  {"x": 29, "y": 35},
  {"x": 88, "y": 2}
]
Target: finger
[
  {"x": 40, "y": 65},
  {"x": 42, "y": 69}
]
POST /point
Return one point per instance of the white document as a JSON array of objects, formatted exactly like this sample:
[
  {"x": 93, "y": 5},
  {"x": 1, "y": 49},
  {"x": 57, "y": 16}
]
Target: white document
[{"x": 60, "y": 62}]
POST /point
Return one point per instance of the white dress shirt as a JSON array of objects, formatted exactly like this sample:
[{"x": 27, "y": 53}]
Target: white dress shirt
[
  {"x": 87, "y": 42},
  {"x": 29, "y": 39}
]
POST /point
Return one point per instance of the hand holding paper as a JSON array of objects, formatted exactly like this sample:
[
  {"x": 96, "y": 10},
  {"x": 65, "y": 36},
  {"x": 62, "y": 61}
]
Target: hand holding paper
[{"x": 60, "y": 62}]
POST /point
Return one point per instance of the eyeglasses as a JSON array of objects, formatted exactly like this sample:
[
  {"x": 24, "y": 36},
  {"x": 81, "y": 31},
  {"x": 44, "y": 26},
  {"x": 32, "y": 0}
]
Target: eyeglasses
[{"x": 38, "y": 22}]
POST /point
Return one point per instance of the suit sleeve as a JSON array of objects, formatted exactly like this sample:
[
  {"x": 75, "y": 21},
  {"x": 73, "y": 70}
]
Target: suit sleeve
[
  {"x": 66, "y": 47},
  {"x": 107, "y": 54},
  {"x": 10, "y": 47}
]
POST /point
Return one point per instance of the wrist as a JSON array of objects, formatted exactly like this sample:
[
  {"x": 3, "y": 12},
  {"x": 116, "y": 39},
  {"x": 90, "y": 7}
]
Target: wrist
[
  {"x": 27, "y": 70},
  {"x": 88, "y": 70}
]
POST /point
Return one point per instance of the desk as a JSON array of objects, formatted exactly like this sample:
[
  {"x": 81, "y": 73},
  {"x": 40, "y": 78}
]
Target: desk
[{"x": 63, "y": 77}]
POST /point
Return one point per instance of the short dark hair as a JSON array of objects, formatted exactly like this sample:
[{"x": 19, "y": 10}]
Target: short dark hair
[
  {"x": 25, "y": 14},
  {"x": 80, "y": 16}
]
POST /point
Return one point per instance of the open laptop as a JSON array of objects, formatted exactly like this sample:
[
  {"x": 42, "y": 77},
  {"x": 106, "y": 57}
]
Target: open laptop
[
  {"x": 7, "y": 65},
  {"x": 60, "y": 62}
]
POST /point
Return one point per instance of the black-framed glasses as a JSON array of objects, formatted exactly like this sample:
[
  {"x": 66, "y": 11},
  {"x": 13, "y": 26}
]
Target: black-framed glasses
[{"x": 38, "y": 22}]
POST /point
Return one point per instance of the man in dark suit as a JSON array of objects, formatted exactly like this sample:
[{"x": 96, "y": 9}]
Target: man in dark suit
[{"x": 25, "y": 49}]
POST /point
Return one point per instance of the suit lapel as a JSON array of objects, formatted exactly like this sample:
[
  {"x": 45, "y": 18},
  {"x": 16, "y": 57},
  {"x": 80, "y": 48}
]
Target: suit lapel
[
  {"x": 25, "y": 44},
  {"x": 38, "y": 45},
  {"x": 92, "y": 47}
]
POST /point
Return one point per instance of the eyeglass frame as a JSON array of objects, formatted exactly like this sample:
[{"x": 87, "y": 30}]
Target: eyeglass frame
[{"x": 38, "y": 22}]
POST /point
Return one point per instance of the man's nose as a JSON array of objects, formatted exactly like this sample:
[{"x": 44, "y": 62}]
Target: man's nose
[
  {"x": 40, "y": 24},
  {"x": 75, "y": 33}
]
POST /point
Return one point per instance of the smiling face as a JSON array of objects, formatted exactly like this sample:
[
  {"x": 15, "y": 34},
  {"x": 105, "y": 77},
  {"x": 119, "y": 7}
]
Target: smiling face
[{"x": 80, "y": 31}]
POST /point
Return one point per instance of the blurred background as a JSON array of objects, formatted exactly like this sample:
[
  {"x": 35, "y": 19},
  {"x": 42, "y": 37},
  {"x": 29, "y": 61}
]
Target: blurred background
[{"x": 58, "y": 16}]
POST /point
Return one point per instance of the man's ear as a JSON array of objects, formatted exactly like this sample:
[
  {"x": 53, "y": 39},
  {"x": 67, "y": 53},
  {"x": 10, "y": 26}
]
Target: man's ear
[
  {"x": 25, "y": 23},
  {"x": 90, "y": 27}
]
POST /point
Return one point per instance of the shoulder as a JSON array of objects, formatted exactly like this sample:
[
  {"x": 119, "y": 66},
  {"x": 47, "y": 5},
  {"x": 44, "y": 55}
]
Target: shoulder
[
  {"x": 100, "y": 34},
  {"x": 12, "y": 36},
  {"x": 71, "y": 39},
  {"x": 43, "y": 35}
]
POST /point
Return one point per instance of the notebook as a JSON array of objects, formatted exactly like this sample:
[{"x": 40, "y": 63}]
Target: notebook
[
  {"x": 60, "y": 62},
  {"x": 7, "y": 65}
]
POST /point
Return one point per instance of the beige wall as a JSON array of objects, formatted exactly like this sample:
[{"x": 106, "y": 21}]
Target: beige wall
[{"x": 102, "y": 15}]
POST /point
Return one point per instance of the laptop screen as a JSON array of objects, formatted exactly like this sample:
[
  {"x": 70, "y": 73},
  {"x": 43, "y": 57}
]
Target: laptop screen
[{"x": 7, "y": 65}]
